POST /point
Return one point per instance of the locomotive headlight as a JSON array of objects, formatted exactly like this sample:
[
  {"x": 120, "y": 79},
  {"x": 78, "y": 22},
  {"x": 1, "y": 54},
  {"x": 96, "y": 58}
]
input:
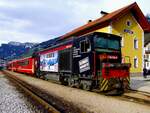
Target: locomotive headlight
[
  {"x": 111, "y": 65},
  {"x": 108, "y": 65}
]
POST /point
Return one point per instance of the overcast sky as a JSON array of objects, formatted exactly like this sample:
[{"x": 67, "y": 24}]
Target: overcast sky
[{"x": 41, "y": 20}]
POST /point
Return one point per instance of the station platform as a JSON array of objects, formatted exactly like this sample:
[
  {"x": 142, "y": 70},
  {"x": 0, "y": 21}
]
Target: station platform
[
  {"x": 87, "y": 102},
  {"x": 140, "y": 83}
]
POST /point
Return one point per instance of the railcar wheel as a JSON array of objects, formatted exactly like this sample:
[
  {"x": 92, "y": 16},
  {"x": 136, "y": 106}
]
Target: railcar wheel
[{"x": 37, "y": 75}]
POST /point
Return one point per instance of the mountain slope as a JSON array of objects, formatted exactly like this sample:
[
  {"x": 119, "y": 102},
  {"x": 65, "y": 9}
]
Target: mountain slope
[{"x": 14, "y": 49}]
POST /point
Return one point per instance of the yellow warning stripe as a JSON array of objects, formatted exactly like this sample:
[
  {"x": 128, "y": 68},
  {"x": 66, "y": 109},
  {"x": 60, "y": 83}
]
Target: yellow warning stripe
[
  {"x": 106, "y": 88},
  {"x": 104, "y": 85},
  {"x": 104, "y": 80},
  {"x": 128, "y": 79}
]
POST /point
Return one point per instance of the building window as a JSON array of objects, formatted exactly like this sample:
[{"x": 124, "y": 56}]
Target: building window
[
  {"x": 148, "y": 48},
  {"x": 135, "y": 44},
  {"x": 135, "y": 62},
  {"x": 128, "y": 23},
  {"x": 147, "y": 56},
  {"x": 144, "y": 64},
  {"x": 147, "y": 64}
]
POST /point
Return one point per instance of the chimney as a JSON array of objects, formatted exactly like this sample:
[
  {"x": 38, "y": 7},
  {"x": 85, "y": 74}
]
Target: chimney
[
  {"x": 89, "y": 21},
  {"x": 103, "y": 13}
]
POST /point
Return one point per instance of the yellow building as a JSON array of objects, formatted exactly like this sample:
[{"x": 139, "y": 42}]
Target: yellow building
[
  {"x": 132, "y": 40},
  {"x": 128, "y": 22}
]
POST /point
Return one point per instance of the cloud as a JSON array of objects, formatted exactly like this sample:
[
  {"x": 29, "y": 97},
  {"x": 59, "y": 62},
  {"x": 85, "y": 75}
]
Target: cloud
[
  {"x": 37, "y": 20},
  {"x": 10, "y": 23},
  {"x": 22, "y": 37}
]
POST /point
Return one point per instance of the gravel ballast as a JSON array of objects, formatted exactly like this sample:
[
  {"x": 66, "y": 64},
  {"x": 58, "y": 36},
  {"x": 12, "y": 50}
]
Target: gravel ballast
[
  {"x": 12, "y": 100},
  {"x": 91, "y": 102}
]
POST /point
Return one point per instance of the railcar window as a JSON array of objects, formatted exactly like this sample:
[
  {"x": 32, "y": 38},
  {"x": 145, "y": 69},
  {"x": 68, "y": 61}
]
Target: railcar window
[
  {"x": 23, "y": 63},
  {"x": 85, "y": 46}
]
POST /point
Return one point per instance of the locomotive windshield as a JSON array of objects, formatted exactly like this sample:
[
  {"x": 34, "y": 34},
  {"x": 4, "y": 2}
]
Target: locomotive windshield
[{"x": 107, "y": 43}]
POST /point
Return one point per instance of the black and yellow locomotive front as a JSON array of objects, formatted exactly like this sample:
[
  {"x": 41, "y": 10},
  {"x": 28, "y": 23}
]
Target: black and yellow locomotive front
[
  {"x": 110, "y": 72},
  {"x": 97, "y": 62}
]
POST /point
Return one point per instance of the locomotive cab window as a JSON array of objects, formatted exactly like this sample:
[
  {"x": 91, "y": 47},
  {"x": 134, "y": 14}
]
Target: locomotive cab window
[
  {"x": 106, "y": 43},
  {"x": 85, "y": 46}
]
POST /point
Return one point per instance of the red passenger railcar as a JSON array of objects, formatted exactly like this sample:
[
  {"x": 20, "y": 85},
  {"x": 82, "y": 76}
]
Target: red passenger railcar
[
  {"x": 25, "y": 65},
  {"x": 12, "y": 65}
]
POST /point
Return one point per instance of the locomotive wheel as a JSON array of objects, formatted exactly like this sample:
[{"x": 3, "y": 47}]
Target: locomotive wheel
[
  {"x": 86, "y": 85},
  {"x": 70, "y": 82},
  {"x": 73, "y": 82},
  {"x": 63, "y": 81}
]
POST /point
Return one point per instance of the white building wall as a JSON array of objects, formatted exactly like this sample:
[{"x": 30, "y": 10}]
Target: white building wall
[{"x": 147, "y": 57}]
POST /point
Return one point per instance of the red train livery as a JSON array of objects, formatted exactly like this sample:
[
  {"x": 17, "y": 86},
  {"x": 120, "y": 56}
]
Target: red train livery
[{"x": 25, "y": 65}]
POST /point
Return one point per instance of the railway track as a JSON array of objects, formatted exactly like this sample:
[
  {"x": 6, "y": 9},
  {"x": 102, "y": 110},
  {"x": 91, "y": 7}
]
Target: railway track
[
  {"x": 131, "y": 96},
  {"x": 137, "y": 96},
  {"x": 47, "y": 106}
]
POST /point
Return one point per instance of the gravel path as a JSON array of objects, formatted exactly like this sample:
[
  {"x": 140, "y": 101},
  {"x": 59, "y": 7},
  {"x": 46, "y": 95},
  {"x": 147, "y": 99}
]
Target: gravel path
[
  {"x": 12, "y": 100},
  {"x": 140, "y": 83}
]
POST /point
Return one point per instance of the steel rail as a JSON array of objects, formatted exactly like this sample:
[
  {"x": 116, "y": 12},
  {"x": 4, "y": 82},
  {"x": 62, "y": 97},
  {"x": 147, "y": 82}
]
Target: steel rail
[
  {"x": 130, "y": 96},
  {"x": 28, "y": 92}
]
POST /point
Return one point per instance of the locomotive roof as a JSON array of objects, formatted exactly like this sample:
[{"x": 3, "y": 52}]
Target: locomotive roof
[
  {"x": 57, "y": 43},
  {"x": 64, "y": 42}
]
